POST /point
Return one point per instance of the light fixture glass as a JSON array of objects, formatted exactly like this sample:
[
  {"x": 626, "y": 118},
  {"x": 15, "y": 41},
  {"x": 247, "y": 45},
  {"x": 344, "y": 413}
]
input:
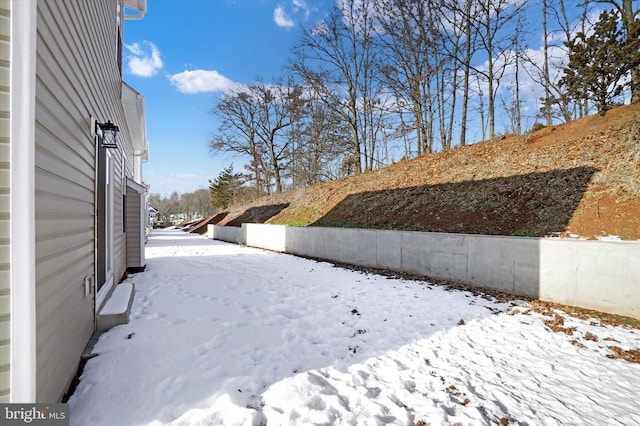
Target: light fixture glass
[{"x": 108, "y": 134}]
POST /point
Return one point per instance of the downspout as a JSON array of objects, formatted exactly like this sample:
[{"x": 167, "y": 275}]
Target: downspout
[
  {"x": 96, "y": 237},
  {"x": 22, "y": 196},
  {"x": 139, "y": 158}
]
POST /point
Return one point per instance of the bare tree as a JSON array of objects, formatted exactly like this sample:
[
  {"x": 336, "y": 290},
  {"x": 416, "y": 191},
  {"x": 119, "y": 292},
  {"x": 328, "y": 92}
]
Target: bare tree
[
  {"x": 278, "y": 108},
  {"x": 336, "y": 58},
  {"x": 468, "y": 54},
  {"x": 408, "y": 70},
  {"x": 190, "y": 205},
  {"x": 555, "y": 101},
  {"x": 453, "y": 50},
  {"x": 519, "y": 49},
  {"x": 546, "y": 108},
  {"x": 492, "y": 24},
  {"x": 583, "y": 103},
  {"x": 419, "y": 64},
  {"x": 320, "y": 141},
  {"x": 254, "y": 118},
  {"x": 202, "y": 202},
  {"x": 457, "y": 35},
  {"x": 196, "y": 204},
  {"x": 238, "y": 111}
]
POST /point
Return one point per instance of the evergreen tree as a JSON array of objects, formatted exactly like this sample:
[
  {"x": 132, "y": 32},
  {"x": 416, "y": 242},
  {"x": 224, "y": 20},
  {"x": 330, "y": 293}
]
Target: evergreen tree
[
  {"x": 225, "y": 187},
  {"x": 631, "y": 25},
  {"x": 599, "y": 62}
]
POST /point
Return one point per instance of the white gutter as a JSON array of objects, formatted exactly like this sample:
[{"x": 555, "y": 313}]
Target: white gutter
[
  {"x": 139, "y": 5},
  {"x": 22, "y": 194}
]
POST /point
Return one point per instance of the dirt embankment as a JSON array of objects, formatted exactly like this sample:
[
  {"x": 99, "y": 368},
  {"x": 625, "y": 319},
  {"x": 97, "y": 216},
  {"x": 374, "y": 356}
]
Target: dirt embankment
[{"x": 580, "y": 178}]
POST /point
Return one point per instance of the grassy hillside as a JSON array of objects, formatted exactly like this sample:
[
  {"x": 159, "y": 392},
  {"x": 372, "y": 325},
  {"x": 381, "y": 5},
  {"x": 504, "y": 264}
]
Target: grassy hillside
[{"x": 579, "y": 178}]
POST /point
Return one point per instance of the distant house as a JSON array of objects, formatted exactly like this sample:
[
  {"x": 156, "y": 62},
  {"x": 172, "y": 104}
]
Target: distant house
[
  {"x": 152, "y": 216},
  {"x": 72, "y": 211}
]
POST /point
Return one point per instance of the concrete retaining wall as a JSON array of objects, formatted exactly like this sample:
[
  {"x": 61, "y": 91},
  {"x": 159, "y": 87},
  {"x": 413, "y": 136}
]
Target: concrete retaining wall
[
  {"x": 591, "y": 274},
  {"x": 229, "y": 234}
]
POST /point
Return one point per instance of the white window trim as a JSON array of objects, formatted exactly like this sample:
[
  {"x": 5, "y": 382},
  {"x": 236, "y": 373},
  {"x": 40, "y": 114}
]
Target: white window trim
[{"x": 109, "y": 226}]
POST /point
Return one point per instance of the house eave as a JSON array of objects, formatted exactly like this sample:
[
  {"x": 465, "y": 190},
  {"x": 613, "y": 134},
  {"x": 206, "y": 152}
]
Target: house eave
[
  {"x": 139, "y": 6},
  {"x": 134, "y": 108}
]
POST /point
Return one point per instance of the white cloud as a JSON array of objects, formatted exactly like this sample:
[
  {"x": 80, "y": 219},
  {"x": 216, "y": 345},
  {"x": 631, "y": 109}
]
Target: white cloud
[
  {"x": 295, "y": 10},
  {"x": 200, "y": 81},
  {"x": 144, "y": 60},
  {"x": 134, "y": 48},
  {"x": 301, "y": 5},
  {"x": 164, "y": 182},
  {"x": 281, "y": 18}
]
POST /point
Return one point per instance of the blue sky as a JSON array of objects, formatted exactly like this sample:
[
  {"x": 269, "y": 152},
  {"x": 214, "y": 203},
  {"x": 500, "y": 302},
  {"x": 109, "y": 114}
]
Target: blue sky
[{"x": 183, "y": 54}]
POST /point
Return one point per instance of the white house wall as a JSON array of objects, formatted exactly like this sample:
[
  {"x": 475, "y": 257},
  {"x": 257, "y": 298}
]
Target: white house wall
[
  {"x": 5, "y": 206},
  {"x": 77, "y": 78}
]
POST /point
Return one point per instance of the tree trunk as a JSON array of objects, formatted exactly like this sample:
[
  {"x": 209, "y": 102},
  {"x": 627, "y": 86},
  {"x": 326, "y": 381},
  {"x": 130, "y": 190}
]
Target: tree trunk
[
  {"x": 547, "y": 81},
  {"x": 632, "y": 29},
  {"x": 467, "y": 71}
]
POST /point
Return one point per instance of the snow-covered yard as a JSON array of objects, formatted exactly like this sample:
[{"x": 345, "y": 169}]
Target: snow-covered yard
[{"x": 224, "y": 335}]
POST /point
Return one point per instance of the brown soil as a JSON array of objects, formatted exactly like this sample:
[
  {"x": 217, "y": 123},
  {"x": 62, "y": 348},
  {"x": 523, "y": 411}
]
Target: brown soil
[{"x": 580, "y": 178}]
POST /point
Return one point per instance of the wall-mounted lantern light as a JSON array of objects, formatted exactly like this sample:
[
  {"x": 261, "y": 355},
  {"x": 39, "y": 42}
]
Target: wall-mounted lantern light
[{"x": 108, "y": 133}]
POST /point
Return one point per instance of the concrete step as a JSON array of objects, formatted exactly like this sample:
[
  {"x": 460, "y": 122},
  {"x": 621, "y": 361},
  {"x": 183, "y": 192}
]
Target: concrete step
[{"x": 116, "y": 309}]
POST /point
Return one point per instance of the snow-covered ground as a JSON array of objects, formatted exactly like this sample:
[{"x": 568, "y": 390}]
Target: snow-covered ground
[{"x": 227, "y": 335}]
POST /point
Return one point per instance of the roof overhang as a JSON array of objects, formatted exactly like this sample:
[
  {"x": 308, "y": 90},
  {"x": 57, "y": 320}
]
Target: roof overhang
[
  {"x": 138, "y": 5},
  {"x": 133, "y": 103}
]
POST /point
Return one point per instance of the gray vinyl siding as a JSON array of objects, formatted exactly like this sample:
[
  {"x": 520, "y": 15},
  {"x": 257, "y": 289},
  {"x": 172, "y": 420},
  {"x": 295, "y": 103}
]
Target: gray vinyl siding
[
  {"x": 120, "y": 237},
  {"x": 77, "y": 77},
  {"x": 5, "y": 228},
  {"x": 135, "y": 226}
]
